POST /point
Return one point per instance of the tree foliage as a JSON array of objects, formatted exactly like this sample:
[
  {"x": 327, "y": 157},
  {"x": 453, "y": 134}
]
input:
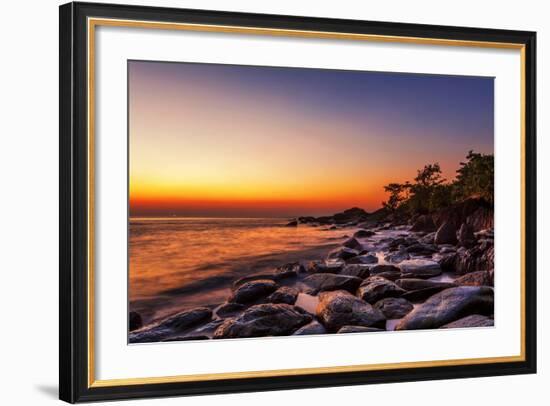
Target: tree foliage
[{"x": 429, "y": 191}]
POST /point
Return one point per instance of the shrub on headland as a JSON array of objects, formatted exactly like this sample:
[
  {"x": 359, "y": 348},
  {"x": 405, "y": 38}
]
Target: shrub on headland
[{"x": 429, "y": 191}]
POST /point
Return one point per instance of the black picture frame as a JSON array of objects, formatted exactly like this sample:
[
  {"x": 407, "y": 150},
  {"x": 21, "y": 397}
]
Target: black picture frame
[{"x": 74, "y": 385}]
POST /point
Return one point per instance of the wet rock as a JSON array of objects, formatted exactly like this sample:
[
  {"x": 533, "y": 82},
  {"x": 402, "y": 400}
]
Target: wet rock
[
  {"x": 416, "y": 284},
  {"x": 363, "y": 259},
  {"x": 134, "y": 321},
  {"x": 190, "y": 337},
  {"x": 424, "y": 223},
  {"x": 284, "y": 295},
  {"x": 253, "y": 290},
  {"x": 478, "y": 258},
  {"x": 419, "y": 268},
  {"x": 340, "y": 308},
  {"x": 187, "y": 319},
  {"x": 325, "y": 267},
  {"x": 207, "y": 329},
  {"x": 446, "y": 234},
  {"x": 397, "y": 257},
  {"x": 311, "y": 328},
  {"x": 447, "y": 249},
  {"x": 358, "y": 270},
  {"x": 364, "y": 233},
  {"x": 229, "y": 309},
  {"x": 375, "y": 288},
  {"x": 421, "y": 249},
  {"x": 353, "y": 244},
  {"x": 477, "y": 278},
  {"x": 420, "y": 295},
  {"x": 465, "y": 236},
  {"x": 474, "y": 320},
  {"x": 343, "y": 253},
  {"x": 264, "y": 320},
  {"x": 292, "y": 223},
  {"x": 448, "y": 306},
  {"x": 387, "y": 271},
  {"x": 289, "y": 270},
  {"x": 394, "y": 307},
  {"x": 321, "y": 282},
  {"x": 358, "y": 329},
  {"x": 151, "y": 335}
]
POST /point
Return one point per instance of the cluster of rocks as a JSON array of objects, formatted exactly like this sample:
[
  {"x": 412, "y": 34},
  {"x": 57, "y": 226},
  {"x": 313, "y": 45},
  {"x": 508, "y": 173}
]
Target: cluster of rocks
[{"x": 421, "y": 276}]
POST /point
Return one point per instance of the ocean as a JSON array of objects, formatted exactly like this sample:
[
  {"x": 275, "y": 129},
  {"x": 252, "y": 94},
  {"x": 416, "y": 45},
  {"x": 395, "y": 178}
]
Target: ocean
[{"x": 180, "y": 263}]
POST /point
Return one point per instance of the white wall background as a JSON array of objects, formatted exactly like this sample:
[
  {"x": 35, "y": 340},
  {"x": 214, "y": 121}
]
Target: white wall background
[{"x": 29, "y": 203}]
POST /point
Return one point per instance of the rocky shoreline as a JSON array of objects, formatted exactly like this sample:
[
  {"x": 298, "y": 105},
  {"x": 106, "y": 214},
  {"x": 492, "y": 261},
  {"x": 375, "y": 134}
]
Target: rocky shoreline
[{"x": 428, "y": 272}]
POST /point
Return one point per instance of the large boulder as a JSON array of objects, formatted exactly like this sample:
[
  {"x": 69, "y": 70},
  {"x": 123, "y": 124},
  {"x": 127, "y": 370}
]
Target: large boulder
[
  {"x": 474, "y": 320},
  {"x": 264, "y": 320},
  {"x": 419, "y": 268},
  {"x": 477, "y": 278},
  {"x": 292, "y": 223},
  {"x": 387, "y": 271},
  {"x": 285, "y": 294},
  {"x": 343, "y": 253},
  {"x": 424, "y": 223},
  {"x": 187, "y": 319},
  {"x": 229, "y": 309},
  {"x": 375, "y": 288},
  {"x": 479, "y": 258},
  {"x": 446, "y": 234},
  {"x": 171, "y": 326},
  {"x": 254, "y": 290},
  {"x": 448, "y": 306},
  {"x": 421, "y": 249},
  {"x": 353, "y": 215},
  {"x": 474, "y": 211},
  {"x": 324, "y": 266},
  {"x": 353, "y": 244},
  {"x": 363, "y": 233},
  {"x": 359, "y": 270},
  {"x": 465, "y": 236},
  {"x": 311, "y": 328},
  {"x": 398, "y": 256},
  {"x": 416, "y": 284},
  {"x": 394, "y": 307},
  {"x": 363, "y": 259},
  {"x": 321, "y": 282},
  {"x": 340, "y": 308}
]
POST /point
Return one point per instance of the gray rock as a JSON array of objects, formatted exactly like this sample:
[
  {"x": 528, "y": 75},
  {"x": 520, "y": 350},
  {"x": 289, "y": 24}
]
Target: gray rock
[
  {"x": 359, "y": 270},
  {"x": 358, "y": 329},
  {"x": 416, "y": 284},
  {"x": 151, "y": 335},
  {"x": 284, "y": 295},
  {"x": 340, "y": 308},
  {"x": 264, "y": 320},
  {"x": 229, "y": 309},
  {"x": 397, "y": 257},
  {"x": 343, "y": 253},
  {"x": 363, "y": 233},
  {"x": 363, "y": 259},
  {"x": 465, "y": 236},
  {"x": 477, "y": 278},
  {"x": 375, "y": 288},
  {"x": 394, "y": 307},
  {"x": 446, "y": 234},
  {"x": 321, "y": 282},
  {"x": 448, "y": 306},
  {"x": 419, "y": 268},
  {"x": 424, "y": 223},
  {"x": 325, "y": 267},
  {"x": 251, "y": 291},
  {"x": 353, "y": 244},
  {"x": 311, "y": 328},
  {"x": 186, "y": 319},
  {"x": 474, "y": 320},
  {"x": 421, "y": 249}
]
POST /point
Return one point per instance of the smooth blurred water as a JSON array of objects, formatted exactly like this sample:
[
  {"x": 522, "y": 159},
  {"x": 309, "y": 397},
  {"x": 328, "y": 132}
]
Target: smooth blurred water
[{"x": 177, "y": 263}]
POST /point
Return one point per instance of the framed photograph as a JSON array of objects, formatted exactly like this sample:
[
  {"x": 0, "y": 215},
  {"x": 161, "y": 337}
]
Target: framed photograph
[{"x": 256, "y": 202}]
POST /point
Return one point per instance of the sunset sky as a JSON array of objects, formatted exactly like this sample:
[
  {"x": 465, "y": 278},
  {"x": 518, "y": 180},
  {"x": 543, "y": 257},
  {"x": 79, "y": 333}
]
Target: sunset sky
[{"x": 241, "y": 141}]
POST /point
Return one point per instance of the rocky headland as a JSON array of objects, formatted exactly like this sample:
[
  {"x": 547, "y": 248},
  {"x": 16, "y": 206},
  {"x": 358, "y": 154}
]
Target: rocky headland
[{"x": 428, "y": 271}]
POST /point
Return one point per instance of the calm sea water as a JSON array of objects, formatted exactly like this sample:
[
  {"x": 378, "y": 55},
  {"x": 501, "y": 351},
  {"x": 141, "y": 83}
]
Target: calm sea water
[{"x": 178, "y": 263}]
